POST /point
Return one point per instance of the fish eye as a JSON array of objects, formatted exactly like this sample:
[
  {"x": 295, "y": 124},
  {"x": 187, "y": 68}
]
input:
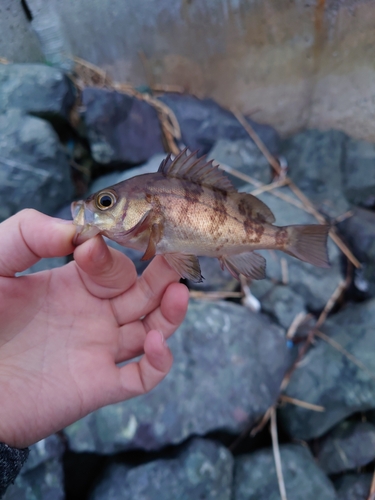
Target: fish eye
[{"x": 105, "y": 200}]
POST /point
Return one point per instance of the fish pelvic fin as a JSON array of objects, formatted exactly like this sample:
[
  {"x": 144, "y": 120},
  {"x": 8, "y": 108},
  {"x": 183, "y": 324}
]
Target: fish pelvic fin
[
  {"x": 250, "y": 264},
  {"x": 199, "y": 170},
  {"x": 309, "y": 243},
  {"x": 187, "y": 266}
]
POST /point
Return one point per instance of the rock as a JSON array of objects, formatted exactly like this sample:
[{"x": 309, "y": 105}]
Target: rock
[
  {"x": 255, "y": 476},
  {"x": 313, "y": 284},
  {"x": 44, "y": 265},
  {"x": 107, "y": 180},
  {"x": 41, "y": 478},
  {"x": 314, "y": 159},
  {"x": 203, "y": 122},
  {"x": 328, "y": 378},
  {"x": 279, "y": 301},
  {"x": 37, "y": 89},
  {"x": 353, "y": 486},
  {"x": 203, "y": 469},
  {"x": 215, "y": 279},
  {"x": 34, "y": 170},
  {"x": 359, "y": 232},
  {"x": 359, "y": 172},
  {"x": 347, "y": 446},
  {"x": 228, "y": 366},
  {"x": 243, "y": 155},
  {"x": 119, "y": 127}
]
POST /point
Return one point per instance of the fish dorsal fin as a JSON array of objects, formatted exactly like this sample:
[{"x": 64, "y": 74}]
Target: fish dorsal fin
[
  {"x": 190, "y": 167},
  {"x": 251, "y": 207}
]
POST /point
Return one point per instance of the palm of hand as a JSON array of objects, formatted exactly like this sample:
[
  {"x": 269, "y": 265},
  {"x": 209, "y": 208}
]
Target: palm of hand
[{"x": 63, "y": 333}]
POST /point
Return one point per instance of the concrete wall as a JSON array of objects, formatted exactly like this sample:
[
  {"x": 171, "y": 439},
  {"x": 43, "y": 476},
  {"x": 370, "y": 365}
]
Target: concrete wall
[{"x": 295, "y": 63}]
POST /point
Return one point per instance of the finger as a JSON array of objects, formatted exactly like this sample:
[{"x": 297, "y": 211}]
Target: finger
[
  {"x": 140, "y": 377},
  {"x": 146, "y": 293},
  {"x": 166, "y": 319},
  {"x": 106, "y": 272},
  {"x": 30, "y": 235}
]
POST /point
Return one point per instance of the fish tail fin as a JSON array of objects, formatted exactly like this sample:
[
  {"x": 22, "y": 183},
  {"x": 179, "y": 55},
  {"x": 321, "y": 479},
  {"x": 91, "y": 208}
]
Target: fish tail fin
[{"x": 309, "y": 243}]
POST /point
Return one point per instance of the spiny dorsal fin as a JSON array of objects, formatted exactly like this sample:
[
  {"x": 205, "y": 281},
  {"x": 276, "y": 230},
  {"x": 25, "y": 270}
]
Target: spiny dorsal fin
[
  {"x": 189, "y": 167},
  {"x": 250, "y": 207}
]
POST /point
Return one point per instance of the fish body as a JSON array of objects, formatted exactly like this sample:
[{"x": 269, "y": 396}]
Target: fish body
[{"x": 189, "y": 208}]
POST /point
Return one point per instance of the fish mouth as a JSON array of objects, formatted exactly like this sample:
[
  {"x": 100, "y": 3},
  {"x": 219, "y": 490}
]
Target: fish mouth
[{"x": 84, "y": 219}]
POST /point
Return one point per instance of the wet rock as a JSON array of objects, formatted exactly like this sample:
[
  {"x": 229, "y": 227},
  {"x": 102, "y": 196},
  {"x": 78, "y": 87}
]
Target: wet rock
[
  {"x": 279, "y": 301},
  {"x": 202, "y": 470},
  {"x": 44, "y": 265},
  {"x": 107, "y": 180},
  {"x": 314, "y": 159},
  {"x": 41, "y": 478},
  {"x": 243, "y": 155},
  {"x": 314, "y": 284},
  {"x": 119, "y": 127},
  {"x": 255, "y": 476},
  {"x": 359, "y": 232},
  {"x": 37, "y": 89},
  {"x": 34, "y": 170},
  {"x": 347, "y": 446},
  {"x": 359, "y": 172},
  {"x": 353, "y": 486},
  {"x": 228, "y": 366},
  {"x": 328, "y": 378},
  {"x": 203, "y": 122}
]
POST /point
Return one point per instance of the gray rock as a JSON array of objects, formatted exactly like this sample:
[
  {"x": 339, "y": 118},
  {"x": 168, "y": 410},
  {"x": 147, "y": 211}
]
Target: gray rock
[
  {"x": 353, "y": 486},
  {"x": 119, "y": 127},
  {"x": 218, "y": 347},
  {"x": 279, "y": 301},
  {"x": 202, "y": 470},
  {"x": 243, "y": 155},
  {"x": 34, "y": 170},
  {"x": 359, "y": 232},
  {"x": 255, "y": 476},
  {"x": 358, "y": 170},
  {"x": 37, "y": 89},
  {"x": 214, "y": 277},
  {"x": 44, "y": 265},
  {"x": 41, "y": 478},
  {"x": 347, "y": 446},
  {"x": 107, "y": 180},
  {"x": 314, "y": 159},
  {"x": 315, "y": 285},
  {"x": 328, "y": 378},
  {"x": 203, "y": 122}
]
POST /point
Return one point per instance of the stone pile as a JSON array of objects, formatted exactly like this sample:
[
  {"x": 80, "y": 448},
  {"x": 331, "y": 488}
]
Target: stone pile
[{"x": 173, "y": 443}]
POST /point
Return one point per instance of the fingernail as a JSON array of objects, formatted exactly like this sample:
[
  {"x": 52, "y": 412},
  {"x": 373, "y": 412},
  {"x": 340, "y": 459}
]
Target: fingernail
[
  {"x": 64, "y": 221},
  {"x": 162, "y": 337},
  {"x": 99, "y": 252}
]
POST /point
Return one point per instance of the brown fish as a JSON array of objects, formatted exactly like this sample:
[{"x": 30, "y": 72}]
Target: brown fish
[{"x": 190, "y": 208}]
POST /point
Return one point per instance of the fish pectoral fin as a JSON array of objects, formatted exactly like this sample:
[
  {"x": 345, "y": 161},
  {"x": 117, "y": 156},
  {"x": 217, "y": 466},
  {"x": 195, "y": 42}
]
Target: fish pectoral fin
[
  {"x": 155, "y": 237},
  {"x": 187, "y": 266},
  {"x": 250, "y": 264}
]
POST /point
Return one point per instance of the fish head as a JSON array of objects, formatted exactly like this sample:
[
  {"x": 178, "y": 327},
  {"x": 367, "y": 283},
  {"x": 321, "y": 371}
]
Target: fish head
[{"x": 102, "y": 213}]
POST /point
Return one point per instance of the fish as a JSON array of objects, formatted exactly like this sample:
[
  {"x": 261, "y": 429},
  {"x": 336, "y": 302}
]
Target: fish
[{"x": 189, "y": 208}]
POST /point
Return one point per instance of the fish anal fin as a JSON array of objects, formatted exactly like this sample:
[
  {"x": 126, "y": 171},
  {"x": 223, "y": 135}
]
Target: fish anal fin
[
  {"x": 187, "y": 266},
  {"x": 250, "y": 264},
  {"x": 250, "y": 207},
  {"x": 309, "y": 243},
  {"x": 190, "y": 167},
  {"x": 155, "y": 237}
]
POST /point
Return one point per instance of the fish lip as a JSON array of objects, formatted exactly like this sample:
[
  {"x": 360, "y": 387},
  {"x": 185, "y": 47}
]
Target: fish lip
[{"x": 84, "y": 220}]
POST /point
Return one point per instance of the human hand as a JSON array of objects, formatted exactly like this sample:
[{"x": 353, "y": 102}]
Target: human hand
[{"x": 64, "y": 331}]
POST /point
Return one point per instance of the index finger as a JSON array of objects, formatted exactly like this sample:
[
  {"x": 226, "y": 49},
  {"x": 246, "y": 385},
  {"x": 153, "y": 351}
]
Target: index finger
[{"x": 29, "y": 236}]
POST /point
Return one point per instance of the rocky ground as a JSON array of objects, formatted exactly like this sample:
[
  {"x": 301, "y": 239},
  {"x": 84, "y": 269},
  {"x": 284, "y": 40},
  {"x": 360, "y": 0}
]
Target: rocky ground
[{"x": 190, "y": 437}]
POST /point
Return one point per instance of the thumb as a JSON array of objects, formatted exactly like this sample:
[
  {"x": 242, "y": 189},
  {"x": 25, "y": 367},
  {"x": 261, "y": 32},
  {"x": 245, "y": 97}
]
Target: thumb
[{"x": 30, "y": 235}]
